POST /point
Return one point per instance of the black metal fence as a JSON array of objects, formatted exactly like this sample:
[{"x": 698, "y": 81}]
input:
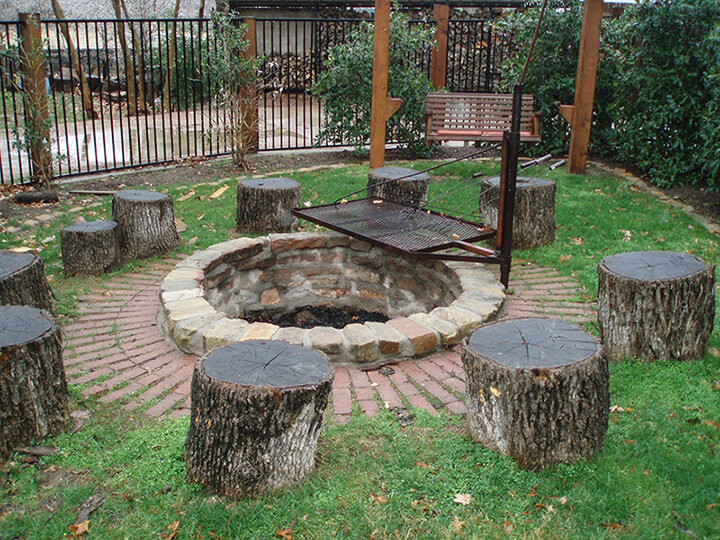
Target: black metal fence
[{"x": 152, "y": 98}]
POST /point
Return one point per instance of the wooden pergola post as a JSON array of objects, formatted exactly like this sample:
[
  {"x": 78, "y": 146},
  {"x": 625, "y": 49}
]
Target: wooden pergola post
[
  {"x": 378, "y": 116},
  {"x": 438, "y": 58},
  {"x": 580, "y": 113}
]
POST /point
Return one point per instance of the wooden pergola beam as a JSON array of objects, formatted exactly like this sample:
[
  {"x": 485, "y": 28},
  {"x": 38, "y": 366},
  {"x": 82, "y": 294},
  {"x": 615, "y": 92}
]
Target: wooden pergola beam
[
  {"x": 378, "y": 108},
  {"x": 580, "y": 114}
]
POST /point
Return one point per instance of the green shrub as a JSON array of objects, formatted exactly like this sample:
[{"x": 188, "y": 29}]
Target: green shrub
[
  {"x": 346, "y": 87},
  {"x": 669, "y": 91},
  {"x": 552, "y": 70}
]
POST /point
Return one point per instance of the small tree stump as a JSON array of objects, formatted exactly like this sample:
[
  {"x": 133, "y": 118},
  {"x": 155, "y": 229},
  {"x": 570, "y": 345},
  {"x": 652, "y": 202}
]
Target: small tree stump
[
  {"x": 23, "y": 281},
  {"x": 534, "y": 216},
  {"x": 537, "y": 390},
  {"x": 89, "y": 248},
  {"x": 264, "y": 204},
  {"x": 33, "y": 390},
  {"x": 394, "y": 184},
  {"x": 257, "y": 409},
  {"x": 655, "y": 305},
  {"x": 145, "y": 223}
]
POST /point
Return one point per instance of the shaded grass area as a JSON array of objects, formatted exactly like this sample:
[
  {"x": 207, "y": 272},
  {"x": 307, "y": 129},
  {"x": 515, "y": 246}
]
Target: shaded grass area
[{"x": 657, "y": 476}]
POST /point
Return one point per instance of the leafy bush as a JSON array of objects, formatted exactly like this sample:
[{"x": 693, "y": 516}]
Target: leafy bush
[
  {"x": 346, "y": 87},
  {"x": 552, "y": 70},
  {"x": 669, "y": 91}
]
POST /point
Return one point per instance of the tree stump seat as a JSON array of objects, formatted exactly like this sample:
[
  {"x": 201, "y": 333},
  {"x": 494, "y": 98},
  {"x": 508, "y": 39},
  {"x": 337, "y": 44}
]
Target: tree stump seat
[
  {"x": 655, "y": 305},
  {"x": 257, "y": 410},
  {"x": 33, "y": 388},
  {"x": 534, "y": 213},
  {"x": 264, "y": 204},
  {"x": 537, "y": 390},
  {"x": 23, "y": 281},
  {"x": 89, "y": 248},
  {"x": 399, "y": 184},
  {"x": 145, "y": 223}
]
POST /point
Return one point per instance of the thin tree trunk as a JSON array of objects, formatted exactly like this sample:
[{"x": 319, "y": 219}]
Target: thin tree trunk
[
  {"x": 129, "y": 69},
  {"x": 201, "y": 10},
  {"x": 141, "y": 104},
  {"x": 86, "y": 96},
  {"x": 171, "y": 57}
]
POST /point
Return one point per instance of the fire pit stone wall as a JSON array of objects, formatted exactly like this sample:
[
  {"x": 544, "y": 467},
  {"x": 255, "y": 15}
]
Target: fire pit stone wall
[{"x": 431, "y": 304}]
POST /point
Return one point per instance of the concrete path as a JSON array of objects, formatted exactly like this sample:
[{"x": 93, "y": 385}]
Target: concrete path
[{"x": 116, "y": 351}]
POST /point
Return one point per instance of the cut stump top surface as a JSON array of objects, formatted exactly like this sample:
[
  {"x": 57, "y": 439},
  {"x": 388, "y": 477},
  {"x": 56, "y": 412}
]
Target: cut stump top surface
[
  {"x": 22, "y": 324},
  {"x": 653, "y": 265},
  {"x": 141, "y": 195},
  {"x": 12, "y": 261},
  {"x": 533, "y": 343},
  {"x": 266, "y": 363},
  {"x": 270, "y": 183},
  {"x": 395, "y": 173},
  {"x": 522, "y": 181},
  {"x": 91, "y": 226}
]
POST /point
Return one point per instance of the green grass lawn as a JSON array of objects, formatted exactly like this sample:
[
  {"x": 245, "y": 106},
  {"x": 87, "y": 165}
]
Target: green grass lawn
[{"x": 657, "y": 476}]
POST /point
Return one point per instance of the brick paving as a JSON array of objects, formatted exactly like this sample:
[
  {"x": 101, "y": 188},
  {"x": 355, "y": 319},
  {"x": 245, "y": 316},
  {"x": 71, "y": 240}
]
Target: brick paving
[{"x": 117, "y": 353}]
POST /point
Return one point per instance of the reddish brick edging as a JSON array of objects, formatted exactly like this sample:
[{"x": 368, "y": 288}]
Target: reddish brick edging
[{"x": 116, "y": 350}]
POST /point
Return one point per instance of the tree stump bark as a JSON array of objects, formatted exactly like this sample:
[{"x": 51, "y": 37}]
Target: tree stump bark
[
  {"x": 257, "y": 409},
  {"x": 534, "y": 219},
  {"x": 33, "y": 390},
  {"x": 395, "y": 184},
  {"x": 145, "y": 223},
  {"x": 537, "y": 391},
  {"x": 89, "y": 248},
  {"x": 655, "y": 305},
  {"x": 23, "y": 281},
  {"x": 264, "y": 204}
]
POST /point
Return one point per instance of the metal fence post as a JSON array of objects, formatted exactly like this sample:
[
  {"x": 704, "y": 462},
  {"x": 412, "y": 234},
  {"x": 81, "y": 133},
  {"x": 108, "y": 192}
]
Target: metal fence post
[{"x": 37, "y": 129}]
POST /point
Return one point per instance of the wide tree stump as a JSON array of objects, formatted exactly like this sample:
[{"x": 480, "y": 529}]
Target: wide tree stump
[
  {"x": 257, "y": 409},
  {"x": 534, "y": 215},
  {"x": 399, "y": 184},
  {"x": 655, "y": 305},
  {"x": 89, "y": 248},
  {"x": 23, "y": 281},
  {"x": 264, "y": 204},
  {"x": 33, "y": 390},
  {"x": 145, "y": 223},
  {"x": 537, "y": 390}
]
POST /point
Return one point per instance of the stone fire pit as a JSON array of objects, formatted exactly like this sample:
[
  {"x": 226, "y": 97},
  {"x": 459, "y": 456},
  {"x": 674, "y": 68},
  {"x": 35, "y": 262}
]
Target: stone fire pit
[{"x": 430, "y": 304}]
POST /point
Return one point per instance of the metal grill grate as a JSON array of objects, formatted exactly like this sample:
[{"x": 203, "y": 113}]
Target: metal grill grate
[{"x": 394, "y": 225}]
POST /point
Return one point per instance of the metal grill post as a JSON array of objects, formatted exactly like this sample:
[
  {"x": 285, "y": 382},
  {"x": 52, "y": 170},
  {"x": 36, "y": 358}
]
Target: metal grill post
[{"x": 508, "y": 178}]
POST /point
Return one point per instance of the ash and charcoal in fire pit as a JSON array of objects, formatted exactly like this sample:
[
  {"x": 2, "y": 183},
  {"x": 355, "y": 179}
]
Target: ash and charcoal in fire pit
[{"x": 320, "y": 315}]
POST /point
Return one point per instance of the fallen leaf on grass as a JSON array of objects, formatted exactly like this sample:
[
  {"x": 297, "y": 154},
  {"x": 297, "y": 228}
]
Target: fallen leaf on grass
[
  {"x": 564, "y": 258},
  {"x": 285, "y": 533},
  {"x": 508, "y": 527},
  {"x": 457, "y": 525},
  {"x": 93, "y": 503},
  {"x": 618, "y": 409},
  {"x": 562, "y": 500},
  {"x": 378, "y": 499},
  {"x": 200, "y": 217},
  {"x": 616, "y": 526},
  {"x": 219, "y": 192},
  {"x": 462, "y": 498},
  {"x": 576, "y": 241},
  {"x": 78, "y": 529},
  {"x": 172, "y": 531}
]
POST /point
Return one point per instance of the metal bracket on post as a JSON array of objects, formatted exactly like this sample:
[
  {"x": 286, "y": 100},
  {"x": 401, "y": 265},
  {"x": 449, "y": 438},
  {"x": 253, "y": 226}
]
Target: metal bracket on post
[{"x": 508, "y": 180}]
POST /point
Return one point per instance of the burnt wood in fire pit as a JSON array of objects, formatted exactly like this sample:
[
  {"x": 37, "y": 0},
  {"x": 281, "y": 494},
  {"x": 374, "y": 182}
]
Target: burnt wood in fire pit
[
  {"x": 23, "y": 281},
  {"x": 257, "y": 409},
  {"x": 264, "y": 204},
  {"x": 33, "y": 389},
  {"x": 655, "y": 305},
  {"x": 399, "y": 184},
  {"x": 146, "y": 223},
  {"x": 537, "y": 390}
]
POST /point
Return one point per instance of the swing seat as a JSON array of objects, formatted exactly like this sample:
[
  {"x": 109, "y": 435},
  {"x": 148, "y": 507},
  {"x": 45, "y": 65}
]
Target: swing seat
[{"x": 478, "y": 117}]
